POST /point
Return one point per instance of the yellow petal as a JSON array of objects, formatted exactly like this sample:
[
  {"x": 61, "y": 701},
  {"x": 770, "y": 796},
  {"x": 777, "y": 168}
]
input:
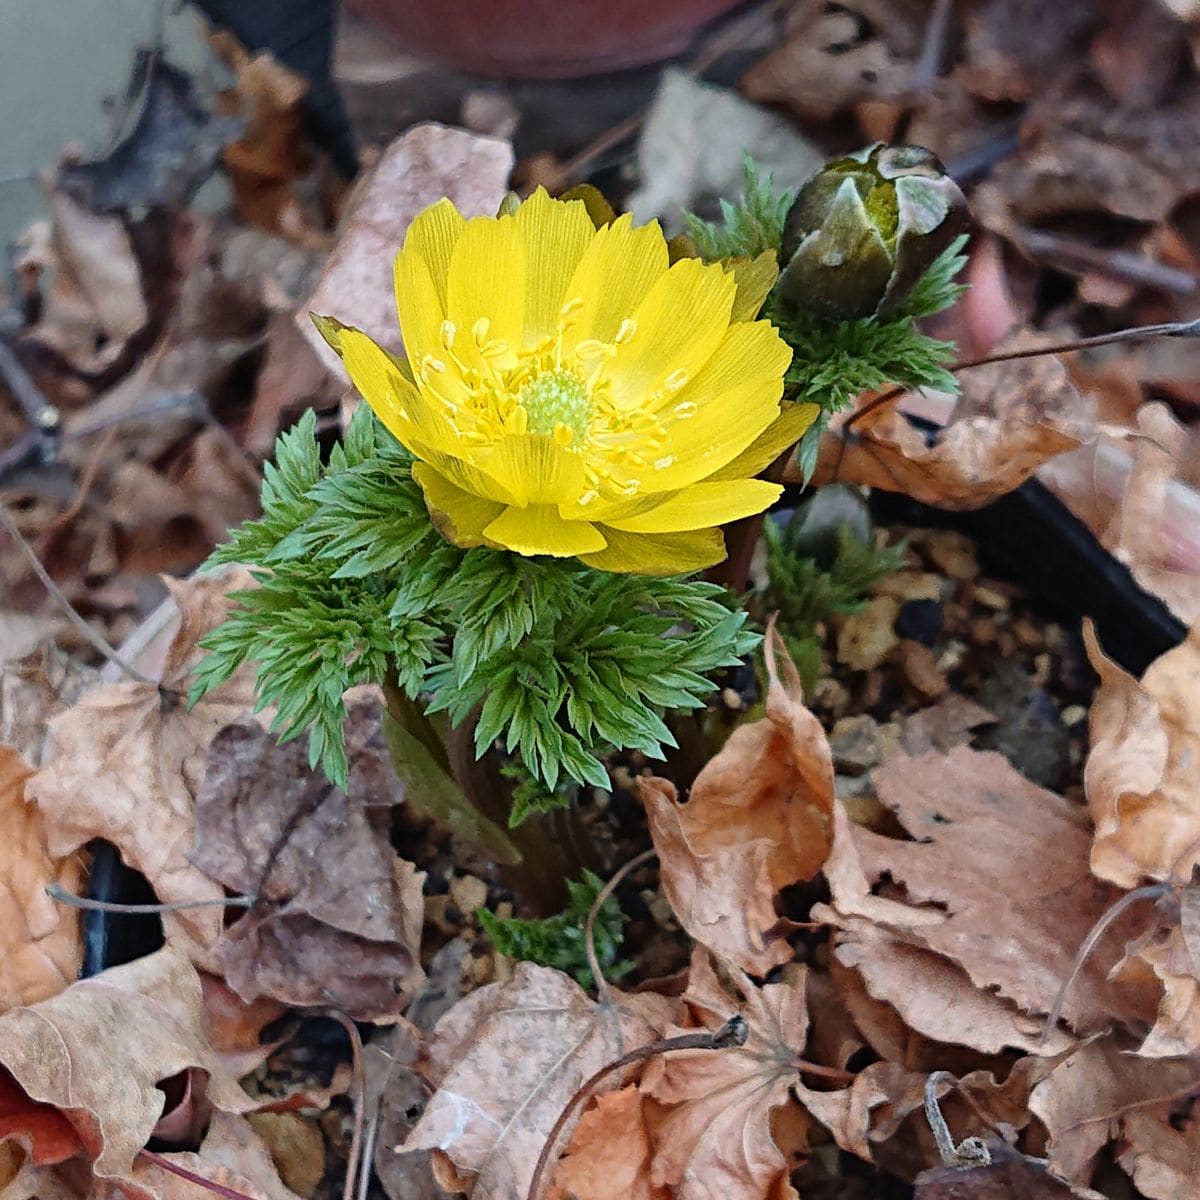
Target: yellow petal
[
  {"x": 535, "y": 469},
  {"x": 404, "y": 410},
  {"x": 677, "y": 326},
  {"x": 788, "y": 429},
  {"x": 419, "y": 306},
  {"x": 721, "y": 412},
  {"x": 703, "y": 505},
  {"x": 433, "y": 235},
  {"x": 755, "y": 277},
  {"x": 466, "y": 472},
  {"x": 538, "y": 529},
  {"x": 457, "y": 515},
  {"x": 331, "y": 329},
  {"x": 616, "y": 271},
  {"x": 658, "y": 554},
  {"x": 485, "y": 296},
  {"x": 556, "y": 235}
]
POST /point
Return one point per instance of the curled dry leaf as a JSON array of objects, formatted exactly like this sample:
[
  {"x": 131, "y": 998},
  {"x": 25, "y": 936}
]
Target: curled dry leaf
[
  {"x": 93, "y": 1056},
  {"x": 95, "y": 302},
  {"x": 609, "y": 1156},
  {"x": 714, "y": 1140},
  {"x": 1140, "y": 776},
  {"x": 1011, "y": 418},
  {"x": 1160, "y": 1150},
  {"x": 337, "y": 918},
  {"x": 507, "y": 1059},
  {"x": 232, "y": 1155},
  {"x": 1176, "y": 1030},
  {"x": 1092, "y": 1097},
  {"x": 129, "y": 758},
  {"x": 39, "y": 939},
  {"x": 757, "y": 820},
  {"x": 1135, "y": 489},
  {"x": 997, "y": 899}
]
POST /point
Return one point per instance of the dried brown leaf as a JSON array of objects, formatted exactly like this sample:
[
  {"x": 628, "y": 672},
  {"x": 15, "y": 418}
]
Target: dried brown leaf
[
  {"x": 95, "y": 301},
  {"x": 757, "y": 820},
  {"x": 97, "y": 1051},
  {"x": 507, "y": 1059},
  {"x": 1176, "y": 1030},
  {"x": 837, "y": 56},
  {"x": 129, "y": 758},
  {"x": 233, "y": 1155},
  {"x": 1160, "y": 1150},
  {"x": 609, "y": 1155},
  {"x": 39, "y": 939},
  {"x": 1090, "y": 1097},
  {"x": 1011, "y": 418},
  {"x": 996, "y": 900},
  {"x": 714, "y": 1140},
  {"x": 1140, "y": 776},
  {"x": 337, "y": 918}
]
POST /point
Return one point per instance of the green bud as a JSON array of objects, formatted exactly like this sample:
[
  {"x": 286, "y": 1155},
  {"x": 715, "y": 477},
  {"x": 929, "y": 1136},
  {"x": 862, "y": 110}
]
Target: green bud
[{"x": 865, "y": 228}]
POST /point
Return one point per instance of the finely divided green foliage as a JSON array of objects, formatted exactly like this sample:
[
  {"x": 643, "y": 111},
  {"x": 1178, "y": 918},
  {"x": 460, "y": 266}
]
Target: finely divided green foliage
[
  {"x": 807, "y": 587},
  {"x": 560, "y": 662},
  {"x": 559, "y": 941},
  {"x": 748, "y": 228}
]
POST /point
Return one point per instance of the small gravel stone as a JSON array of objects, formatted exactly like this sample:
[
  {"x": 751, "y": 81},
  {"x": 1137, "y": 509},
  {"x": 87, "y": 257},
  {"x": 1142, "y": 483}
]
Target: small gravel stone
[
  {"x": 952, "y": 553},
  {"x": 921, "y": 670},
  {"x": 859, "y": 743},
  {"x": 910, "y": 585},
  {"x": 991, "y": 598},
  {"x": 867, "y": 637}
]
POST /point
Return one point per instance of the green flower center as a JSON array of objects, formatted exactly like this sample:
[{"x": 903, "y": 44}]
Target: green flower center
[{"x": 557, "y": 398}]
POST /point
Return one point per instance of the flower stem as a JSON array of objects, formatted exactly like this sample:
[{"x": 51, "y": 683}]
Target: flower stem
[{"x": 447, "y": 783}]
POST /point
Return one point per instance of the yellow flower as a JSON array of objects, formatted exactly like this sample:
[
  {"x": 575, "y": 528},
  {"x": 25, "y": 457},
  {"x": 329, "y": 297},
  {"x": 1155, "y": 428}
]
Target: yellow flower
[{"x": 568, "y": 393}]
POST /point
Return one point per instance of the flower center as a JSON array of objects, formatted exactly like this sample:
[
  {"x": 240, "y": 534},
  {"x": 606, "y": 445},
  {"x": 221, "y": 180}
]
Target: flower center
[{"x": 555, "y": 398}]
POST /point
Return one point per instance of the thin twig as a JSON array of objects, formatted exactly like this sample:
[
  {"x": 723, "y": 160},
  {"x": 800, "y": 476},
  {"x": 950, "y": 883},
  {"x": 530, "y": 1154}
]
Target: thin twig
[
  {"x": 355, "y": 1162},
  {"x": 94, "y": 639},
  {"x": 603, "y": 992},
  {"x": 59, "y": 893},
  {"x": 368, "y": 1156},
  {"x": 971, "y": 1151},
  {"x": 733, "y": 1033},
  {"x": 191, "y": 1176},
  {"x": 1122, "y": 265},
  {"x": 1153, "y": 891}
]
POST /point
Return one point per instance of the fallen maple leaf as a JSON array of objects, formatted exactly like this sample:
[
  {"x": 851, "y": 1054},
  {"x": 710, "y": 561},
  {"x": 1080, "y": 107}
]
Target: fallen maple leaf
[
  {"x": 1160, "y": 1151},
  {"x": 997, "y": 899},
  {"x": 507, "y": 1059},
  {"x": 233, "y": 1155},
  {"x": 39, "y": 939},
  {"x": 96, "y": 1053},
  {"x": 337, "y": 915},
  {"x": 714, "y": 1141},
  {"x": 1140, "y": 775},
  {"x": 1010, "y": 418},
  {"x": 1089, "y": 1099},
  {"x": 609, "y": 1155},
  {"x": 757, "y": 820},
  {"x": 129, "y": 757}
]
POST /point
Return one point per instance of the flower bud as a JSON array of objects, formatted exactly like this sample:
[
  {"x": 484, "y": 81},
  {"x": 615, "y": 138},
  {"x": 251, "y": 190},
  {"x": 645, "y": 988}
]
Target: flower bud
[{"x": 865, "y": 228}]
